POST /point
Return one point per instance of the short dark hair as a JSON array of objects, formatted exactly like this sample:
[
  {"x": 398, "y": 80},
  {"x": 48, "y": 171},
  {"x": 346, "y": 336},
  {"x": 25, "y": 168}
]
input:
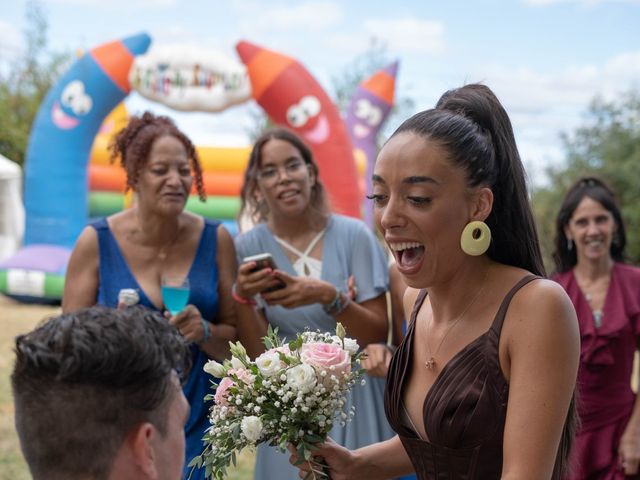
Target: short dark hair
[
  {"x": 256, "y": 211},
  {"x": 596, "y": 189},
  {"x": 473, "y": 126},
  {"x": 133, "y": 143},
  {"x": 82, "y": 380}
]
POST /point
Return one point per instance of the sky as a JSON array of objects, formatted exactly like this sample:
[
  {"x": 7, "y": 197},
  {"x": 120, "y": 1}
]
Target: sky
[{"x": 545, "y": 59}]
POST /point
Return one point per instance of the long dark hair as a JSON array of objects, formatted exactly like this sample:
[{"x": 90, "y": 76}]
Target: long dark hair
[
  {"x": 474, "y": 127},
  {"x": 471, "y": 123},
  {"x": 596, "y": 189},
  {"x": 257, "y": 211}
]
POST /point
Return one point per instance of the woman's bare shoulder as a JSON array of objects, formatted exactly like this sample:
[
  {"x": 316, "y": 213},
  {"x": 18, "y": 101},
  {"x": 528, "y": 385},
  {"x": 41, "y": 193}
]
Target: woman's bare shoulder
[
  {"x": 409, "y": 300},
  {"x": 542, "y": 307},
  {"x": 87, "y": 243}
]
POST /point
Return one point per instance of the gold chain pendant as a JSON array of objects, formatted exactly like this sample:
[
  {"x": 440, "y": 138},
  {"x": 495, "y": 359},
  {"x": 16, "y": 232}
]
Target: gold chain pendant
[{"x": 430, "y": 364}]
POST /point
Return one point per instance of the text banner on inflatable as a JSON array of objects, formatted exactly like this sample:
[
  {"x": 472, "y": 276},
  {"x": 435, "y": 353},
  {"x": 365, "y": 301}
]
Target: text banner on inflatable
[{"x": 190, "y": 78}]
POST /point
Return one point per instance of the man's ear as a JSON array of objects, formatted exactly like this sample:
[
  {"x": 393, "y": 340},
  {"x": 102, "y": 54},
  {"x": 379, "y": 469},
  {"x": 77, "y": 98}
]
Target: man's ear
[
  {"x": 482, "y": 204},
  {"x": 145, "y": 457}
]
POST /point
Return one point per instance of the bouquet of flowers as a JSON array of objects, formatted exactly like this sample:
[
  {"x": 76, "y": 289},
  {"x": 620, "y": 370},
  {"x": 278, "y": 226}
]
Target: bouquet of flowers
[{"x": 291, "y": 394}]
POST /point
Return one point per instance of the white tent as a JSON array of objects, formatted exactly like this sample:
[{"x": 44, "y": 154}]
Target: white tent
[{"x": 11, "y": 207}]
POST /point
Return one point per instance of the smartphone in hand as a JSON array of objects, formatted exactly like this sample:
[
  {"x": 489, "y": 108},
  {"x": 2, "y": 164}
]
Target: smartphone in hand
[{"x": 264, "y": 260}]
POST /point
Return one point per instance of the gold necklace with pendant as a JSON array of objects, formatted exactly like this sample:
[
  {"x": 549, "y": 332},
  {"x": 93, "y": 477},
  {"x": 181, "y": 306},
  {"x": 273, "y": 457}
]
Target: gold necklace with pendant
[{"x": 430, "y": 363}]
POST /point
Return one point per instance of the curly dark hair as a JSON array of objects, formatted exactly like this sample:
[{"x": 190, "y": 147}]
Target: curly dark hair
[
  {"x": 596, "y": 189},
  {"x": 258, "y": 212},
  {"x": 82, "y": 380},
  {"x": 133, "y": 144}
]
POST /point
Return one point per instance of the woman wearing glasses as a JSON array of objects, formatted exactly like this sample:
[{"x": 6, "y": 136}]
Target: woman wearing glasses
[{"x": 320, "y": 258}]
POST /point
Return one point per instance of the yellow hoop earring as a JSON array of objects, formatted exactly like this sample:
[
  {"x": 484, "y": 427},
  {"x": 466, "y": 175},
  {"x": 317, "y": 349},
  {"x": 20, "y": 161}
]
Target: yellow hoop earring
[{"x": 475, "y": 238}]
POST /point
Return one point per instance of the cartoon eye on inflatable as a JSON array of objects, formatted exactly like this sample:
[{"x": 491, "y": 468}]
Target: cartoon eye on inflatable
[
  {"x": 74, "y": 98},
  {"x": 299, "y": 113},
  {"x": 296, "y": 116},
  {"x": 311, "y": 105},
  {"x": 368, "y": 112}
]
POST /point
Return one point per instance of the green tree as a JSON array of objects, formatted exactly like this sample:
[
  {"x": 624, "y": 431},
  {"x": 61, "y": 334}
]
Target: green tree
[
  {"x": 608, "y": 146},
  {"x": 24, "y": 81}
]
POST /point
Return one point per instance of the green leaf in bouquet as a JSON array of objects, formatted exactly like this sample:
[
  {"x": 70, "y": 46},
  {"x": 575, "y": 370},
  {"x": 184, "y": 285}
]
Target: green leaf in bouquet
[
  {"x": 271, "y": 340},
  {"x": 313, "y": 438},
  {"x": 196, "y": 462},
  {"x": 282, "y": 444},
  {"x": 304, "y": 453},
  {"x": 296, "y": 344},
  {"x": 285, "y": 359}
]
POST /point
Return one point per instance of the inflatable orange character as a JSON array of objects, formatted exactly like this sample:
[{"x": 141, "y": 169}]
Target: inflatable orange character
[{"x": 290, "y": 95}]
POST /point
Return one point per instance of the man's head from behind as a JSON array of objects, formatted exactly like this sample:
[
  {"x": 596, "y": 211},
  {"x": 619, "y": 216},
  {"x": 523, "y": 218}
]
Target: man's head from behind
[{"x": 97, "y": 394}]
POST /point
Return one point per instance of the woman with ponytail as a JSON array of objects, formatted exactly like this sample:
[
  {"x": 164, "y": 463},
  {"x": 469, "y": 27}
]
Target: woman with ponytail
[{"x": 482, "y": 385}]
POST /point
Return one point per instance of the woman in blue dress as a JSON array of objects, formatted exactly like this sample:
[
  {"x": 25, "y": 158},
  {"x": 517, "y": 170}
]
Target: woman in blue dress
[
  {"x": 331, "y": 268},
  {"x": 132, "y": 250}
]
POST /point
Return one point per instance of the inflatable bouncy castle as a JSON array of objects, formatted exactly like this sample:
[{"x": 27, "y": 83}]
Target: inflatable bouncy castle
[{"x": 69, "y": 179}]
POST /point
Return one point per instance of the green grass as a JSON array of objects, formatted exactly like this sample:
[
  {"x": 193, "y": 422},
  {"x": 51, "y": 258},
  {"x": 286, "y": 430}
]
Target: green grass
[{"x": 16, "y": 318}]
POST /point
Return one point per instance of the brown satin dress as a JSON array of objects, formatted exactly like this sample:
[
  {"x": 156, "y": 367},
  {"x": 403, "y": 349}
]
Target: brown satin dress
[{"x": 464, "y": 412}]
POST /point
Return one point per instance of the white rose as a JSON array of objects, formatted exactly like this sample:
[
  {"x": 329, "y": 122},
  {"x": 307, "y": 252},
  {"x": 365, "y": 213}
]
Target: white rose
[
  {"x": 214, "y": 368},
  {"x": 269, "y": 363},
  {"x": 350, "y": 345},
  {"x": 251, "y": 427},
  {"x": 301, "y": 378},
  {"x": 236, "y": 363}
]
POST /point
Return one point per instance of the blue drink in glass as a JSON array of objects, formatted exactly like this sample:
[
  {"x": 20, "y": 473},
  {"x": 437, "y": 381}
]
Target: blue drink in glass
[{"x": 175, "y": 293}]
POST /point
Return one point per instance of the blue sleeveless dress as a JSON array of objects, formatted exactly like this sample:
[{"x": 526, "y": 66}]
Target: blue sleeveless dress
[{"x": 203, "y": 278}]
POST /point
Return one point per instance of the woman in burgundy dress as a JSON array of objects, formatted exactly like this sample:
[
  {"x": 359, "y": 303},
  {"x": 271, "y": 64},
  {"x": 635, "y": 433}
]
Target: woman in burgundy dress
[
  {"x": 482, "y": 385},
  {"x": 590, "y": 241}
]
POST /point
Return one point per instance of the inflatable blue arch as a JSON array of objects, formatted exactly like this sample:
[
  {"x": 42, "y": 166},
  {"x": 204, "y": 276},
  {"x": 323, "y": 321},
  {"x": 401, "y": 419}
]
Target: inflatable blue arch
[{"x": 56, "y": 191}]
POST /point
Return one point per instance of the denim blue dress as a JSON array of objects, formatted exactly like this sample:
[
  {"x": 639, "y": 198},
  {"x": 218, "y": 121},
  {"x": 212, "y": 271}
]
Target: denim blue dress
[
  {"x": 349, "y": 248},
  {"x": 203, "y": 279}
]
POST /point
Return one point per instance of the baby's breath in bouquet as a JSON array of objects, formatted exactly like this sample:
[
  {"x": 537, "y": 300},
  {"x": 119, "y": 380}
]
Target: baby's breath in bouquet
[{"x": 291, "y": 394}]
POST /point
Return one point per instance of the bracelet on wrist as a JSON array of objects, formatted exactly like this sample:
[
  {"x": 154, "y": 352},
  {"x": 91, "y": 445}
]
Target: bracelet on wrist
[
  {"x": 207, "y": 331},
  {"x": 339, "y": 303},
  {"x": 239, "y": 299}
]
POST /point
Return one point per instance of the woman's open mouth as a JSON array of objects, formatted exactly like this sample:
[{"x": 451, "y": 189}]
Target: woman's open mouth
[{"x": 407, "y": 254}]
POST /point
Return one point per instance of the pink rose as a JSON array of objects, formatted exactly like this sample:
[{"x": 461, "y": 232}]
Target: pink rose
[
  {"x": 283, "y": 349},
  {"x": 223, "y": 391},
  {"x": 243, "y": 374},
  {"x": 328, "y": 357}
]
